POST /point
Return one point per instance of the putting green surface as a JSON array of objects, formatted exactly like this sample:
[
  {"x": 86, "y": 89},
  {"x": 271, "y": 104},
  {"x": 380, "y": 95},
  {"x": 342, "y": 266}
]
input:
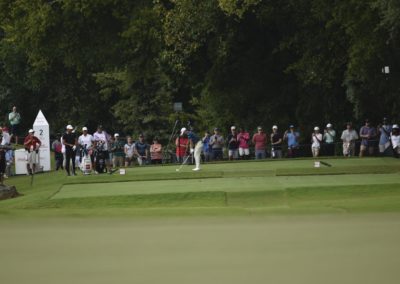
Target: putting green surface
[
  {"x": 326, "y": 249},
  {"x": 240, "y": 184}
]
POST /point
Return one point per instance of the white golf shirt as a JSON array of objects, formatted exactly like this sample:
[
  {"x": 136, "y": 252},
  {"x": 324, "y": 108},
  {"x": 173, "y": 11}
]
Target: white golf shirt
[
  {"x": 395, "y": 141},
  {"x": 103, "y": 137},
  {"x": 86, "y": 140},
  {"x": 315, "y": 142}
]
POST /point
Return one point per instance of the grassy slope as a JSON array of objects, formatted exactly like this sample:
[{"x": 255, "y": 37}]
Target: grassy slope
[{"x": 223, "y": 189}]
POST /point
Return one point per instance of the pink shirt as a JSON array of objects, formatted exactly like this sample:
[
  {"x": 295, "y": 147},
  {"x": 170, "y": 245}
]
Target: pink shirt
[
  {"x": 243, "y": 138},
  {"x": 259, "y": 141}
]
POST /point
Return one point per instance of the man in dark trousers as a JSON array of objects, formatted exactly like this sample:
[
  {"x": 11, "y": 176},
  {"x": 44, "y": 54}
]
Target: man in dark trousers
[{"x": 70, "y": 141}]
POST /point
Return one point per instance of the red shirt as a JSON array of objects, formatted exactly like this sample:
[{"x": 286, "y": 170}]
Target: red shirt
[
  {"x": 259, "y": 141},
  {"x": 31, "y": 141},
  {"x": 181, "y": 146}
]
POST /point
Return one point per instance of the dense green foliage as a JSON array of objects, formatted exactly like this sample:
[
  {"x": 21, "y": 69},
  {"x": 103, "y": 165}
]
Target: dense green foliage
[{"x": 124, "y": 62}]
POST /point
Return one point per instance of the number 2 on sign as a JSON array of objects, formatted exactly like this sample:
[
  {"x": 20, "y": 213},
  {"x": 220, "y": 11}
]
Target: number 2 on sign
[{"x": 41, "y": 132}]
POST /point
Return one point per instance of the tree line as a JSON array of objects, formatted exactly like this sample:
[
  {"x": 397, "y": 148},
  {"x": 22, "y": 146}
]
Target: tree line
[{"x": 123, "y": 63}]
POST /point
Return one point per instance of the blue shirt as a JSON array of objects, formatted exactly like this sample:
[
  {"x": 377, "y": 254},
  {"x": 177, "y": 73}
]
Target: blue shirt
[
  {"x": 385, "y": 134},
  {"x": 192, "y": 136},
  {"x": 206, "y": 145},
  {"x": 292, "y": 139},
  {"x": 141, "y": 148}
]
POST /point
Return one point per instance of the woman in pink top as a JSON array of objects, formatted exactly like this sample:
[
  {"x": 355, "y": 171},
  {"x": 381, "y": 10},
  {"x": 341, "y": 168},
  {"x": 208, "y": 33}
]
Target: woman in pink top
[
  {"x": 243, "y": 137},
  {"x": 259, "y": 140},
  {"x": 156, "y": 152}
]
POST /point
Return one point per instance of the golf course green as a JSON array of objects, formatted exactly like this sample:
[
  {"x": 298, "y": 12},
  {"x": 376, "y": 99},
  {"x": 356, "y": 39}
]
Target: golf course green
[{"x": 281, "y": 221}]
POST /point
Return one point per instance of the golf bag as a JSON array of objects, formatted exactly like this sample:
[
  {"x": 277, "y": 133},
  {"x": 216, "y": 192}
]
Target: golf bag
[
  {"x": 86, "y": 163},
  {"x": 100, "y": 158}
]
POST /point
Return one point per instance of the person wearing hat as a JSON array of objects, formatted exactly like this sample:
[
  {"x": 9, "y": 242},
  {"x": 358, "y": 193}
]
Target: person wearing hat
[
  {"x": 316, "y": 139},
  {"x": 182, "y": 145},
  {"x": 384, "y": 137},
  {"x": 368, "y": 135},
  {"x": 292, "y": 137},
  {"x": 70, "y": 141},
  {"x": 244, "y": 138},
  {"x": 329, "y": 140},
  {"x": 86, "y": 142},
  {"x": 260, "y": 140},
  {"x": 141, "y": 151},
  {"x": 217, "y": 144},
  {"x": 395, "y": 139},
  {"x": 349, "y": 137},
  {"x": 31, "y": 145},
  {"x": 276, "y": 143},
  {"x": 117, "y": 148},
  {"x": 196, "y": 146},
  {"x": 233, "y": 144}
]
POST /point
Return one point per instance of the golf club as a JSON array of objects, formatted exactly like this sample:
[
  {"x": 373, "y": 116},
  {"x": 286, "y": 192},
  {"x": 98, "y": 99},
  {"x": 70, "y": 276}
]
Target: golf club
[{"x": 183, "y": 163}]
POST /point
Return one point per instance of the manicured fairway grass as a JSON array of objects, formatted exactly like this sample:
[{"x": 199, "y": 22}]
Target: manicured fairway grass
[
  {"x": 255, "y": 222},
  {"x": 286, "y": 186}
]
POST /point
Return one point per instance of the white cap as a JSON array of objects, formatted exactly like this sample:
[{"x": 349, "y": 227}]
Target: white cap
[
  {"x": 316, "y": 128},
  {"x": 116, "y": 135},
  {"x": 328, "y": 125},
  {"x": 395, "y": 126},
  {"x": 69, "y": 126},
  {"x": 183, "y": 129},
  {"x": 233, "y": 127},
  {"x": 274, "y": 127},
  {"x": 31, "y": 131},
  {"x": 84, "y": 128}
]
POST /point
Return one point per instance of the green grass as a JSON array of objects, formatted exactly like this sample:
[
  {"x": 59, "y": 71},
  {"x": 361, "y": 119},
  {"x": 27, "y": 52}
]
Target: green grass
[
  {"x": 271, "y": 221},
  {"x": 227, "y": 188}
]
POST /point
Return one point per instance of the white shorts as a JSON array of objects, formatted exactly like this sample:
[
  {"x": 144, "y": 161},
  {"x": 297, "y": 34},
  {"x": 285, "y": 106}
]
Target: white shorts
[
  {"x": 244, "y": 151},
  {"x": 233, "y": 153},
  {"x": 31, "y": 157}
]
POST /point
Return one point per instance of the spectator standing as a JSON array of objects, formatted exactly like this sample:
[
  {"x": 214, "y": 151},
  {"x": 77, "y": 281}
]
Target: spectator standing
[
  {"x": 141, "y": 150},
  {"x": 9, "y": 156},
  {"x": 384, "y": 137},
  {"x": 233, "y": 144},
  {"x": 58, "y": 155},
  {"x": 244, "y": 138},
  {"x": 217, "y": 144},
  {"x": 316, "y": 139},
  {"x": 329, "y": 140},
  {"x": 182, "y": 145},
  {"x": 349, "y": 137},
  {"x": 129, "y": 151},
  {"x": 70, "y": 141},
  {"x": 259, "y": 140},
  {"x": 395, "y": 139},
  {"x": 6, "y": 140},
  {"x": 31, "y": 145},
  {"x": 117, "y": 148},
  {"x": 156, "y": 152},
  {"x": 292, "y": 136},
  {"x": 276, "y": 143},
  {"x": 368, "y": 135},
  {"x": 206, "y": 146},
  {"x": 14, "y": 118},
  {"x": 86, "y": 143},
  {"x": 102, "y": 143}
]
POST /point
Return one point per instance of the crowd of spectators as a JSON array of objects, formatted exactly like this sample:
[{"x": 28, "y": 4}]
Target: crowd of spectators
[{"x": 110, "y": 151}]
